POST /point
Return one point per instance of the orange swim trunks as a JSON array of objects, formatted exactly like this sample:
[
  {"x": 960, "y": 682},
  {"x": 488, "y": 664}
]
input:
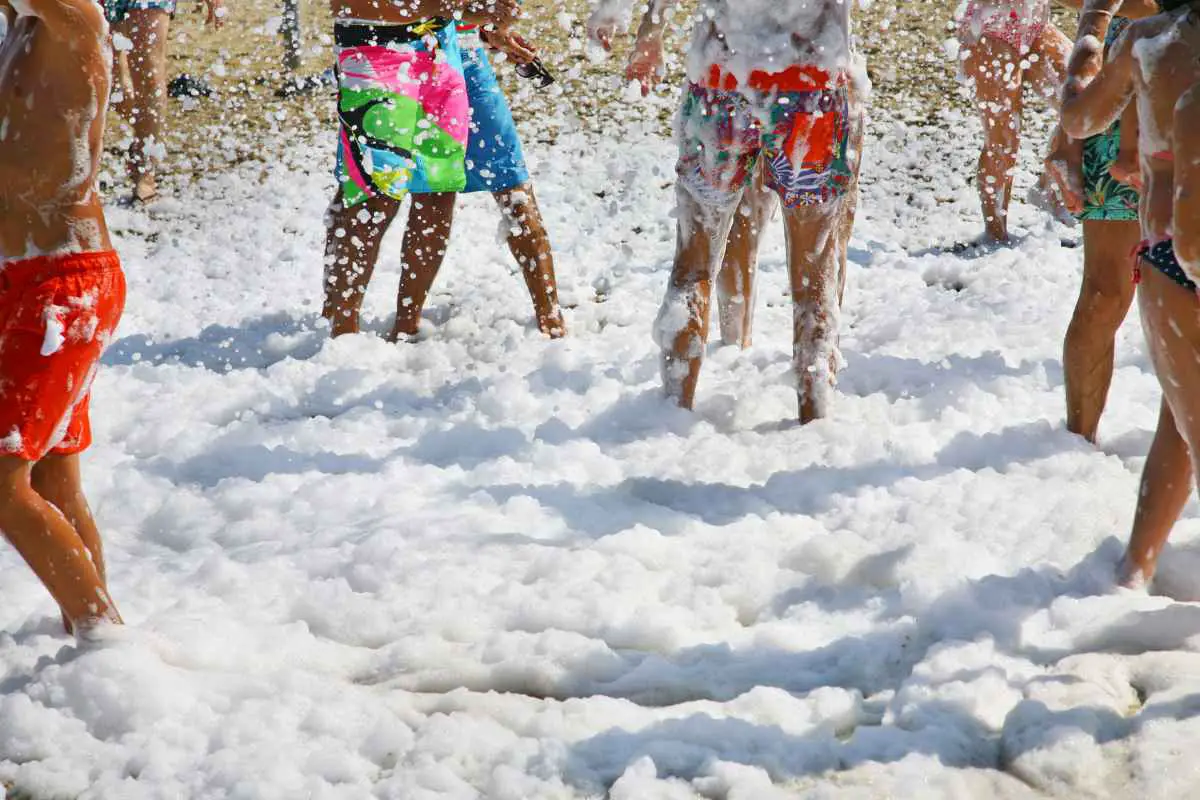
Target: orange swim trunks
[{"x": 57, "y": 314}]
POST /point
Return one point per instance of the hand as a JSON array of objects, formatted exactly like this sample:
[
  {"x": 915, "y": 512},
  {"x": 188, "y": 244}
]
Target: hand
[
  {"x": 498, "y": 13},
  {"x": 511, "y": 43},
  {"x": 1064, "y": 165},
  {"x": 602, "y": 33},
  {"x": 645, "y": 63},
  {"x": 216, "y": 13}
]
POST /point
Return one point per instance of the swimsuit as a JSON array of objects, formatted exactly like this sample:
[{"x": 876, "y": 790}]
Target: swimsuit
[
  {"x": 58, "y": 313},
  {"x": 495, "y": 160},
  {"x": 1106, "y": 198},
  {"x": 402, "y": 109},
  {"x": 1019, "y": 23},
  {"x": 798, "y": 120},
  {"x": 117, "y": 10},
  {"x": 1161, "y": 256}
]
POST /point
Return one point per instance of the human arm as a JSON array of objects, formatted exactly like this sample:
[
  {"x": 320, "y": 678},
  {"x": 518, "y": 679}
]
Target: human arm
[
  {"x": 505, "y": 40},
  {"x": 1186, "y": 212},
  {"x": 1131, "y": 9},
  {"x": 1096, "y": 93},
  {"x": 70, "y": 20},
  {"x": 607, "y": 18},
  {"x": 646, "y": 60}
]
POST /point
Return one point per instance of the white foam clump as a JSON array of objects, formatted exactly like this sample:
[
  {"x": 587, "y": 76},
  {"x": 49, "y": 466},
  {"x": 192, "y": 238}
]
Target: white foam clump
[{"x": 55, "y": 331}]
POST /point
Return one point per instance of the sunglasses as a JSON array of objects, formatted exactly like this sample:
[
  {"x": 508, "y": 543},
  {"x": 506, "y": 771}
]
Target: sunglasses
[{"x": 536, "y": 70}]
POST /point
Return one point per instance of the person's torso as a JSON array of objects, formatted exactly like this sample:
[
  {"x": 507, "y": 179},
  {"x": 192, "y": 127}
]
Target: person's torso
[
  {"x": 1167, "y": 56},
  {"x": 53, "y": 99},
  {"x": 771, "y": 35}
]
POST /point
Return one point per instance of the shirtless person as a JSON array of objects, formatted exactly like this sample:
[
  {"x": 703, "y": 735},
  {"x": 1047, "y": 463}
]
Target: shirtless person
[
  {"x": 61, "y": 292},
  {"x": 735, "y": 281},
  {"x": 770, "y": 85},
  {"x": 1156, "y": 62},
  {"x": 404, "y": 115}
]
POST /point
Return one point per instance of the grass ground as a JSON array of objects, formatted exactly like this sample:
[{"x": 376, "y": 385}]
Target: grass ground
[{"x": 903, "y": 40}]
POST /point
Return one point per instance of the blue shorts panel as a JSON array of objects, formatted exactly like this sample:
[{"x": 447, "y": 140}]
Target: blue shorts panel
[{"x": 495, "y": 160}]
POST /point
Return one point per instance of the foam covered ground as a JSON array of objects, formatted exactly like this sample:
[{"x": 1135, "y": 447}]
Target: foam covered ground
[{"x": 486, "y": 565}]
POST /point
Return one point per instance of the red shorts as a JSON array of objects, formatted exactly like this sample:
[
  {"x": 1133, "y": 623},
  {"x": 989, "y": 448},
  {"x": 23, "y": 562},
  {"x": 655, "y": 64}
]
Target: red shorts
[{"x": 57, "y": 314}]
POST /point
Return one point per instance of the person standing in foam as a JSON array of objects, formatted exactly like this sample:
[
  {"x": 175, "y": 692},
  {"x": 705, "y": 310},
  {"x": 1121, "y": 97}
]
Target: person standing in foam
[
  {"x": 61, "y": 292},
  {"x": 1156, "y": 63},
  {"x": 404, "y": 116},
  {"x": 772, "y": 83},
  {"x": 735, "y": 279}
]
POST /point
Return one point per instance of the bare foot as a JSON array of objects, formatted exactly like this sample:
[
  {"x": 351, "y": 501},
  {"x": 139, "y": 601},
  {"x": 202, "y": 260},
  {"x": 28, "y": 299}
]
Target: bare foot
[
  {"x": 1131, "y": 575},
  {"x": 555, "y": 327}
]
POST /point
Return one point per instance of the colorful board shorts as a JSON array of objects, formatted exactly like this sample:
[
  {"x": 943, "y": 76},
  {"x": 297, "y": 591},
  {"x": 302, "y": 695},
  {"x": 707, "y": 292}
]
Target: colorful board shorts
[
  {"x": 117, "y": 10},
  {"x": 1162, "y": 257},
  {"x": 402, "y": 108},
  {"x": 800, "y": 121},
  {"x": 1105, "y": 197},
  {"x": 495, "y": 159},
  {"x": 1018, "y": 23},
  {"x": 59, "y": 313}
]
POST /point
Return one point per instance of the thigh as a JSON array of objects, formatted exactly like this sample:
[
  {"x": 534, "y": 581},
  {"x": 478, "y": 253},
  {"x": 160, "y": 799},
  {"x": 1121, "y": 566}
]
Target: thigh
[
  {"x": 994, "y": 68},
  {"x": 1047, "y": 72},
  {"x": 720, "y": 141},
  {"x": 1108, "y": 257},
  {"x": 1171, "y": 321}
]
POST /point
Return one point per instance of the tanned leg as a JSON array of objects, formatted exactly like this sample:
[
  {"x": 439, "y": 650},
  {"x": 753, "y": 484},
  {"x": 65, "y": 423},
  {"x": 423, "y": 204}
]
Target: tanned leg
[
  {"x": 147, "y": 104},
  {"x": 430, "y": 220},
  {"x": 682, "y": 326},
  {"x": 735, "y": 282},
  {"x": 530, "y": 246},
  {"x": 816, "y": 258},
  {"x": 998, "y": 80},
  {"x": 1165, "y": 488},
  {"x": 1104, "y": 300},
  {"x": 52, "y": 547},
  {"x": 351, "y": 250},
  {"x": 1171, "y": 320}
]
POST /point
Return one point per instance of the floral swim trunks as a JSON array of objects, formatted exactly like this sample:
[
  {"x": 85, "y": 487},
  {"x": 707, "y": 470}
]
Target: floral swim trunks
[
  {"x": 1105, "y": 197},
  {"x": 117, "y": 10},
  {"x": 799, "y": 121}
]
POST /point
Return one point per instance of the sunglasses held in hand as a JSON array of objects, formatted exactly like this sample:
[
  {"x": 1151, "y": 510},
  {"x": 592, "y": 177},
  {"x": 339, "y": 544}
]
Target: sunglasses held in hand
[{"x": 536, "y": 70}]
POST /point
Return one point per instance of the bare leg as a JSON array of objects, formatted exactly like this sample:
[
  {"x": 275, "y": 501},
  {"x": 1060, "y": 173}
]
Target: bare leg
[
  {"x": 430, "y": 220},
  {"x": 147, "y": 103},
  {"x": 1104, "y": 300},
  {"x": 52, "y": 547},
  {"x": 351, "y": 250},
  {"x": 1047, "y": 72},
  {"x": 1165, "y": 488},
  {"x": 530, "y": 246},
  {"x": 682, "y": 326},
  {"x": 735, "y": 283},
  {"x": 1171, "y": 323},
  {"x": 996, "y": 70},
  {"x": 816, "y": 259}
]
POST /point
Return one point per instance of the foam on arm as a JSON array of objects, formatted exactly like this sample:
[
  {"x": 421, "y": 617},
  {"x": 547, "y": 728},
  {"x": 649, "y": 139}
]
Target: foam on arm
[
  {"x": 1091, "y": 107},
  {"x": 1186, "y": 216}
]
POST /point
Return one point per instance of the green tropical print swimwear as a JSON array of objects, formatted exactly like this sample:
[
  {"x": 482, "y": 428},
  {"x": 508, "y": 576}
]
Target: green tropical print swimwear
[{"x": 1106, "y": 198}]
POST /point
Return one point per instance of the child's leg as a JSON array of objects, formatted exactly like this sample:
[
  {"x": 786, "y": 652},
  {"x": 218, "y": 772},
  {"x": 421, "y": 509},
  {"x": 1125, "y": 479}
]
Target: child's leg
[
  {"x": 351, "y": 250},
  {"x": 735, "y": 283},
  {"x": 995, "y": 68},
  {"x": 52, "y": 547},
  {"x": 1165, "y": 488},
  {"x": 57, "y": 479},
  {"x": 1126, "y": 168},
  {"x": 530, "y": 246},
  {"x": 1104, "y": 300},
  {"x": 1172, "y": 328},
  {"x": 816, "y": 255},
  {"x": 682, "y": 326},
  {"x": 147, "y": 61},
  {"x": 426, "y": 237}
]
